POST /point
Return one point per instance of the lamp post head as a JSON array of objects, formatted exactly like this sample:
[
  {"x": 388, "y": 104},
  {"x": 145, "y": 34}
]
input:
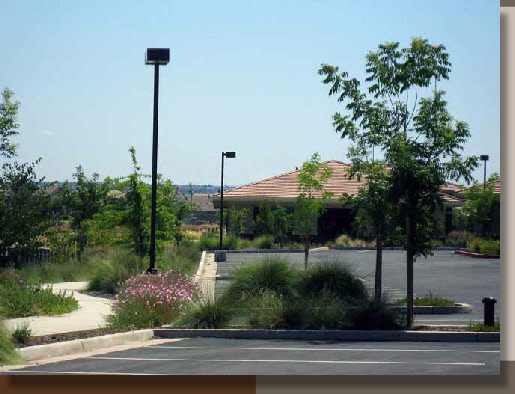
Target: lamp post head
[
  {"x": 160, "y": 56},
  {"x": 484, "y": 157},
  {"x": 230, "y": 155}
]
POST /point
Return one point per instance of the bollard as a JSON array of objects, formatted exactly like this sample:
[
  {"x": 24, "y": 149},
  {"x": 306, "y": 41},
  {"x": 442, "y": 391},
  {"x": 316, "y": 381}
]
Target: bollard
[{"x": 489, "y": 310}]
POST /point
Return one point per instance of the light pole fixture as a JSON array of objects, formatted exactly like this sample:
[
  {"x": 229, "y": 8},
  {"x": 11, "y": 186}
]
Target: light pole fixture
[
  {"x": 485, "y": 158},
  {"x": 229, "y": 155},
  {"x": 156, "y": 57}
]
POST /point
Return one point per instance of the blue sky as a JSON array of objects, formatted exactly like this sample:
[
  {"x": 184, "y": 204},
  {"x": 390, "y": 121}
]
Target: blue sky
[{"x": 242, "y": 77}]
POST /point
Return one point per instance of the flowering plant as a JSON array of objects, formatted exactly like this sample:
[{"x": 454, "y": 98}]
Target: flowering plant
[{"x": 152, "y": 300}]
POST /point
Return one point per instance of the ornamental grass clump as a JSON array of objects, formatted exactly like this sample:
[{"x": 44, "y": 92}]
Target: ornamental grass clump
[{"x": 152, "y": 300}]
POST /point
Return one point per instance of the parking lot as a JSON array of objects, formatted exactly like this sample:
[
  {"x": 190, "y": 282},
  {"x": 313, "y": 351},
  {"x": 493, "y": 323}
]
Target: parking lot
[
  {"x": 213, "y": 356},
  {"x": 446, "y": 274}
]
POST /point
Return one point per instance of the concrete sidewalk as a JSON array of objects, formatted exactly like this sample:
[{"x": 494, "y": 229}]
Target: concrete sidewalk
[{"x": 91, "y": 314}]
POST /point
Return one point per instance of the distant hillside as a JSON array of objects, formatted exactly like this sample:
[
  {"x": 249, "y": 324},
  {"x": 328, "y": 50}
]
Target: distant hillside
[{"x": 209, "y": 189}]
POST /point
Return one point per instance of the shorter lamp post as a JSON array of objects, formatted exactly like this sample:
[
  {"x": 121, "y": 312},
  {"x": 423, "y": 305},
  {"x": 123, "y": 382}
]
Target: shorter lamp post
[
  {"x": 229, "y": 155},
  {"x": 485, "y": 159}
]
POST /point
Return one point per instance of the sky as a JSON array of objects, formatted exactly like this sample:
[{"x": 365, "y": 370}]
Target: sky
[{"x": 242, "y": 77}]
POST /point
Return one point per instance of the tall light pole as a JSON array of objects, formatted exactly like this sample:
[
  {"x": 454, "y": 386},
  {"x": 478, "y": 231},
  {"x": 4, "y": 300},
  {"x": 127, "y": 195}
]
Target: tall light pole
[
  {"x": 157, "y": 57},
  {"x": 485, "y": 159},
  {"x": 229, "y": 155}
]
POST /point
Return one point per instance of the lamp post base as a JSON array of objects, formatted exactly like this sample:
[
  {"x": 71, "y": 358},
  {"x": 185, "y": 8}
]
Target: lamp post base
[{"x": 151, "y": 271}]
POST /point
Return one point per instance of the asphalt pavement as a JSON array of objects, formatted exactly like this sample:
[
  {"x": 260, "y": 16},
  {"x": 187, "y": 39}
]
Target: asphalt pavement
[{"x": 212, "y": 356}]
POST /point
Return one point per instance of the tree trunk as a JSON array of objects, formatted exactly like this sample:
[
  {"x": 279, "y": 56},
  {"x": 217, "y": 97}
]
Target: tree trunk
[
  {"x": 379, "y": 269},
  {"x": 307, "y": 242}
]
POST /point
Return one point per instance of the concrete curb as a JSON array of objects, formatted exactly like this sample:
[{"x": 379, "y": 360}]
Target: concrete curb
[
  {"x": 477, "y": 255},
  {"x": 198, "y": 275},
  {"x": 439, "y": 310},
  {"x": 40, "y": 352},
  {"x": 342, "y": 335},
  {"x": 384, "y": 248}
]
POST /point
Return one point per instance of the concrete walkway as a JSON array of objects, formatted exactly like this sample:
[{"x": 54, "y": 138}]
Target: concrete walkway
[{"x": 91, "y": 314}]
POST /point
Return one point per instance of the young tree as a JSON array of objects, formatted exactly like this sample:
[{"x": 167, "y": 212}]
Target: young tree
[
  {"x": 309, "y": 204},
  {"x": 420, "y": 141},
  {"x": 282, "y": 224},
  {"x": 8, "y": 125},
  {"x": 83, "y": 202},
  {"x": 237, "y": 220}
]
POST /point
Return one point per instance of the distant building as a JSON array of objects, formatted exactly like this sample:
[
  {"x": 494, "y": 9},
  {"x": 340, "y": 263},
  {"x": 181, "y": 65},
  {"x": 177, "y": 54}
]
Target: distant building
[
  {"x": 337, "y": 218},
  {"x": 204, "y": 211}
]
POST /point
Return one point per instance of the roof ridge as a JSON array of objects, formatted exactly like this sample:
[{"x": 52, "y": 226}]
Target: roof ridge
[{"x": 286, "y": 173}]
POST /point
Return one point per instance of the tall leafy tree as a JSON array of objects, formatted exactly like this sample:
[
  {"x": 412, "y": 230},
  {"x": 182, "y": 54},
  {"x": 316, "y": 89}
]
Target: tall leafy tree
[
  {"x": 25, "y": 213},
  {"x": 309, "y": 204},
  {"x": 420, "y": 140},
  {"x": 8, "y": 123}
]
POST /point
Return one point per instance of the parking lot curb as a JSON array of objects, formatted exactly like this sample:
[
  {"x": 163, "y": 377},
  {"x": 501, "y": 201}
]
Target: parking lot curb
[
  {"x": 343, "y": 335},
  {"x": 477, "y": 255},
  {"x": 438, "y": 310},
  {"x": 39, "y": 352}
]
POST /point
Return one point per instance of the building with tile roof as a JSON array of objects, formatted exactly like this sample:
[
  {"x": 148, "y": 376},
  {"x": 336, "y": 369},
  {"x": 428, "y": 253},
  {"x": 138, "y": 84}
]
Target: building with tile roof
[{"x": 337, "y": 219}]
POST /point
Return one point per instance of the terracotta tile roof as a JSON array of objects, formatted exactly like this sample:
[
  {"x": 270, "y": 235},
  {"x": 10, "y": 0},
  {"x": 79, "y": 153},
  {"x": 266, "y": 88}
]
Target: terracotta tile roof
[
  {"x": 497, "y": 187},
  {"x": 286, "y": 186}
]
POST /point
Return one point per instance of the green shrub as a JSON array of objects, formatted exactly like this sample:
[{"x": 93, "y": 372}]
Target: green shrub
[
  {"x": 184, "y": 258},
  {"x": 20, "y": 298},
  {"x": 265, "y": 310},
  {"x": 374, "y": 315},
  {"x": 205, "y": 314},
  {"x": 274, "y": 275},
  {"x": 209, "y": 242},
  {"x": 264, "y": 242},
  {"x": 22, "y": 334},
  {"x": 484, "y": 246},
  {"x": 116, "y": 267},
  {"x": 458, "y": 238},
  {"x": 428, "y": 300},
  {"x": 325, "y": 312},
  {"x": 334, "y": 278},
  {"x": 481, "y": 327}
]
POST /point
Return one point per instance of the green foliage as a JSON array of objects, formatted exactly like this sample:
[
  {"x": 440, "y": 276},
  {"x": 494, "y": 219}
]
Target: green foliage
[
  {"x": 112, "y": 271},
  {"x": 375, "y": 315},
  {"x": 264, "y": 242},
  {"x": 273, "y": 275},
  {"x": 7, "y": 350},
  {"x": 205, "y": 314},
  {"x": 309, "y": 204},
  {"x": 238, "y": 220},
  {"x": 484, "y": 246},
  {"x": 8, "y": 124},
  {"x": 82, "y": 204},
  {"x": 210, "y": 242},
  {"x": 25, "y": 213},
  {"x": 183, "y": 258},
  {"x": 22, "y": 299},
  {"x": 481, "y": 327},
  {"x": 421, "y": 142},
  {"x": 458, "y": 238},
  {"x": 22, "y": 334},
  {"x": 477, "y": 214},
  {"x": 335, "y": 279},
  {"x": 428, "y": 300}
]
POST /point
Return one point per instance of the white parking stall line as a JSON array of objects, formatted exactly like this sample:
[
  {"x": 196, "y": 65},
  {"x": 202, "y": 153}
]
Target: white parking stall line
[
  {"x": 80, "y": 373},
  {"x": 281, "y": 361},
  {"x": 302, "y": 349},
  {"x": 329, "y": 349}
]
